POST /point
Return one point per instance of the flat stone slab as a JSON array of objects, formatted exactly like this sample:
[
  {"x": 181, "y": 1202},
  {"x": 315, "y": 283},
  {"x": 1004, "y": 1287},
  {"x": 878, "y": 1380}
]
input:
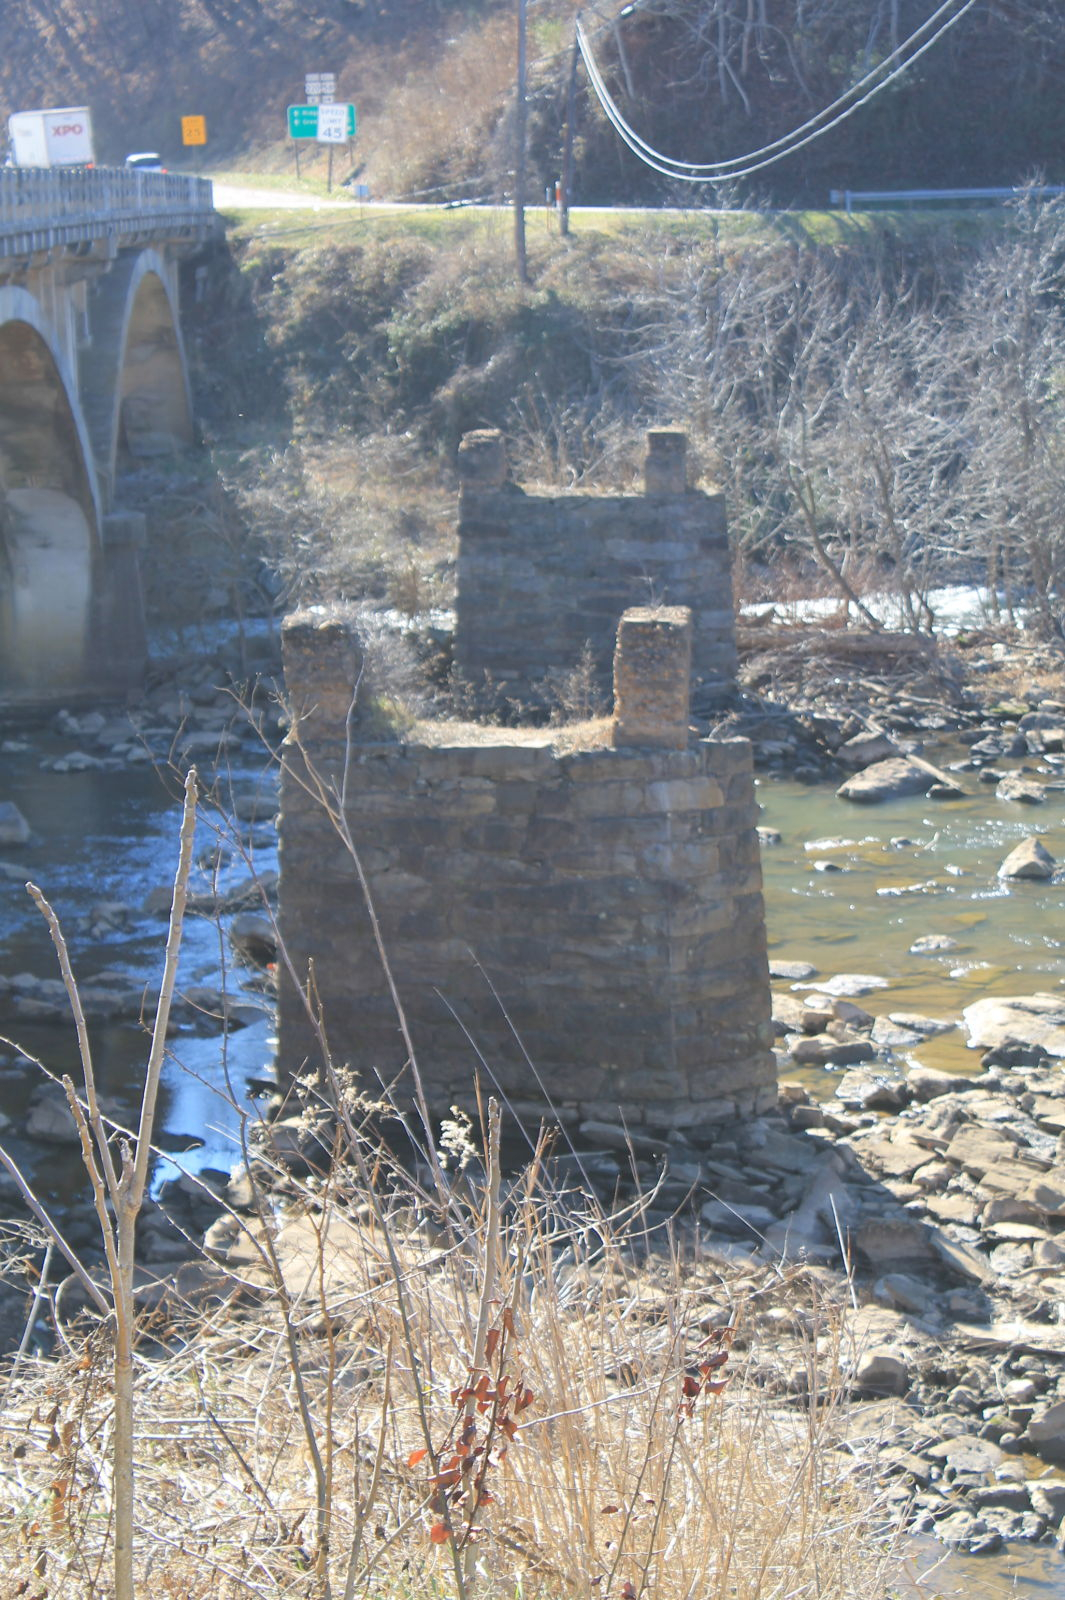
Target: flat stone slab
[
  {"x": 980, "y": 1149},
  {"x": 795, "y": 971},
  {"x": 852, "y": 983},
  {"x": 1030, "y": 1019},
  {"x": 921, "y": 1024}
]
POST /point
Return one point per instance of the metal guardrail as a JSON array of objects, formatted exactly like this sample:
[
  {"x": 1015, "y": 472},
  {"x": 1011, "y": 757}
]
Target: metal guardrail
[
  {"x": 41, "y": 207},
  {"x": 850, "y": 197}
]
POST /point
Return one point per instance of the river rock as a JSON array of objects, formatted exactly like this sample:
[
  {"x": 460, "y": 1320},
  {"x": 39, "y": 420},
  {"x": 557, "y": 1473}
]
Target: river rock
[
  {"x": 882, "y": 1370},
  {"x": 961, "y": 1258},
  {"x": 1048, "y": 1498},
  {"x": 254, "y": 938},
  {"x": 1024, "y": 791},
  {"x": 886, "y": 780},
  {"x": 929, "y": 1026},
  {"x": 887, "y": 1035},
  {"x": 1033, "y": 1019},
  {"x": 14, "y": 829},
  {"x": 789, "y": 1014},
  {"x": 1031, "y": 859},
  {"x": 820, "y": 1050},
  {"x": 902, "y": 1293},
  {"x": 1045, "y": 1433},
  {"x": 873, "y": 1091},
  {"x": 976, "y": 1149},
  {"x": 960, "y": 1528},
  {"x": 214, "y": 1008},
  {"x": 794, "y": 971},
  {"x": 737, "y": 1221},
  {"x": 893, "y": 1245},
  {"x": 1048, "y": 1112},
  {"x": 965, "y": 1453},
  {"x": 49, "y": 1119},
  {"x": 930, "y": 943},
  {"x": 928, "y": 1083},
  {"x": 1048, "y": 1193},
  {"x": 864, "y": 749},
  {"x": 851, "y": 983}
]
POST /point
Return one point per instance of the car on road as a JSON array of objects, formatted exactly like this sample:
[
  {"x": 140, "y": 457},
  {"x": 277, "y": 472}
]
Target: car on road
[{"x": 145, "y": 161}]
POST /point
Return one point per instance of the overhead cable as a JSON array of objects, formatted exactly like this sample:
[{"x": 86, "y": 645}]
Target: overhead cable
[
  {"x": 722, "y": 171},
  {"x": 856, "y": 88}
]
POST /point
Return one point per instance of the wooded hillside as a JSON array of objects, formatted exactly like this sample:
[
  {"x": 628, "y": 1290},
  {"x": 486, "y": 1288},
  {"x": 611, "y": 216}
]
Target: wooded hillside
[{"x": 701, "y": 80}]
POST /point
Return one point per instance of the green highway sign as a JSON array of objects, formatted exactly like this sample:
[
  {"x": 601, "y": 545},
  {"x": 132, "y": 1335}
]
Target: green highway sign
[{"x": 303, "y": 121}]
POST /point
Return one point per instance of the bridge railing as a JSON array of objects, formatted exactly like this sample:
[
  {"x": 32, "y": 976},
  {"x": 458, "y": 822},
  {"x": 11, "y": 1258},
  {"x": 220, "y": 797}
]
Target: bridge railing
[{"x": 37, "y": 199}]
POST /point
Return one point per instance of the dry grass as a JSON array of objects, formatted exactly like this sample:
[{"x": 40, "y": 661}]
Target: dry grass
[{"x": 621, "y": 1474}]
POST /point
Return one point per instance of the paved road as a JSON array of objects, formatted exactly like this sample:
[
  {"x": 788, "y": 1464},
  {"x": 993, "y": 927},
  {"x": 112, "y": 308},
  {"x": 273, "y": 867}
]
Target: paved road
[
  {"x": 228, "y": 196},
  {"x": 231, "y": 196}
]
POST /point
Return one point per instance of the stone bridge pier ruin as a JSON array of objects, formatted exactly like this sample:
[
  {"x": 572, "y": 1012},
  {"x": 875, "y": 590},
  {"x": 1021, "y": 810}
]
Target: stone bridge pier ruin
[{"x": 574, "y": 914}]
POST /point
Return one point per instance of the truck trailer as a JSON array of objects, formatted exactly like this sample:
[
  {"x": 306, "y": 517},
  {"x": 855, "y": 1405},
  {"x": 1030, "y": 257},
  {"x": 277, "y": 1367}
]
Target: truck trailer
[{"x": 59, "y": 138}]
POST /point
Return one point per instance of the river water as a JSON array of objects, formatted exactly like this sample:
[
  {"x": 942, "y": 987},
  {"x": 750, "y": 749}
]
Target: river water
[
  {"x": 852, "y": 888},
  {"x": 103, "y": 841}
]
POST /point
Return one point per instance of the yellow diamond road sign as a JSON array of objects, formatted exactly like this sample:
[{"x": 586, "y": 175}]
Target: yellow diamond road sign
[{"x": 194, "y": 130}]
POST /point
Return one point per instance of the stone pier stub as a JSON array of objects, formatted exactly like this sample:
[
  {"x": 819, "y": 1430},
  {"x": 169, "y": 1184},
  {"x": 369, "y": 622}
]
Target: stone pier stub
[
  {"x": 652, "y": 677},
  {"x": 482, "y": 459},
  {"x": 665, "y": 469},
  {"x": 323, "y": 660}
]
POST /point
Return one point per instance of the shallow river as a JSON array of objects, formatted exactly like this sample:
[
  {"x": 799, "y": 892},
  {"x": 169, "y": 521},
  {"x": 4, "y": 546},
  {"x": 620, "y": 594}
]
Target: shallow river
[
  {"x": 908, "y": 869},
  {"x": 110, "y": 838}
]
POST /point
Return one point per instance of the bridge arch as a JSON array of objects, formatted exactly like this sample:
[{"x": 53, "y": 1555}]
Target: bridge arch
[
  {"x": 49, "y": 509},
  {"x": 134, "y": 377}
]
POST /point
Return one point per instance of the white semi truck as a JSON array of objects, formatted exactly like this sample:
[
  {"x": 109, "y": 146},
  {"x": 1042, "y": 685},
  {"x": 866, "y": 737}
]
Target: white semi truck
[{"x": 59, "y": 138}]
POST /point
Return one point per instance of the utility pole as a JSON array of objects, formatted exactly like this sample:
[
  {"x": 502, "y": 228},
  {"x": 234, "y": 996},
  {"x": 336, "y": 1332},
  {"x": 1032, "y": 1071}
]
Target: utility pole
[
  {"x": 567, "y": 148},
  {"x": 519, "y": 159}
]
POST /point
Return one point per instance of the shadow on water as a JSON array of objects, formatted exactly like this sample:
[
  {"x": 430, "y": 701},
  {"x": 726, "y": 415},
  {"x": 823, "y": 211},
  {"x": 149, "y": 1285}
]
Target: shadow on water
[{"x": 103, "y": 851}]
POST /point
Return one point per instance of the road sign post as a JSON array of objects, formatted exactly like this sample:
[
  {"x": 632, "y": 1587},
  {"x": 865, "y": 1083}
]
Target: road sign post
[
  {"x": 329, "y": 123},
  {"x": 194, "y": 130}
]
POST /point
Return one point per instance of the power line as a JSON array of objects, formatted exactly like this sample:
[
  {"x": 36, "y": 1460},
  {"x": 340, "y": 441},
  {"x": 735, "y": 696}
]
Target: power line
[
  {"x": 720, "y": 171},
  {"x": 870, "y": 77}
]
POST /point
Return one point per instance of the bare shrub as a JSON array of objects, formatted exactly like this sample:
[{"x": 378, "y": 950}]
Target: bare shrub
[
  {"x": 522, "y": 1331},
  {"x": 576, "y": 694}
]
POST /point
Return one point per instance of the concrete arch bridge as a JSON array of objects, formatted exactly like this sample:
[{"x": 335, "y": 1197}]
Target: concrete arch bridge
[{"x": 92, "y": 371}]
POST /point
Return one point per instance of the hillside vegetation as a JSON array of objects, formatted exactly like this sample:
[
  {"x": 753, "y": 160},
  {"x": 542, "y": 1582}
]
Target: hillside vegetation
[
  {"x": 880, "y": 400},
  {"x": 434, "y": 84}
]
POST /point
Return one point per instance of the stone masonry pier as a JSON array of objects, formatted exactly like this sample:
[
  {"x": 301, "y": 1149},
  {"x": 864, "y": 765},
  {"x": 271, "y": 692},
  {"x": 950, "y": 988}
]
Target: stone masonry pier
[
  {"x": 542, "y": 576},
  {"x": 581, "y": 910}
]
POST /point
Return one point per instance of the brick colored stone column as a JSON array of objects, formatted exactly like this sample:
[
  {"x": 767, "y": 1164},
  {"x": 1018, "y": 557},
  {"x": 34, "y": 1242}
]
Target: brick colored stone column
[
  {"x": 323, "y": 661},
  {"x": 482, "y": 460},
  {"x": 665, "y": 469},
  {"x": 652, "y": 677}
]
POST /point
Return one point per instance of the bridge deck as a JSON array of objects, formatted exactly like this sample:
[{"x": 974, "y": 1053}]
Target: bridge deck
[{"x": 42, "y": 208}]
